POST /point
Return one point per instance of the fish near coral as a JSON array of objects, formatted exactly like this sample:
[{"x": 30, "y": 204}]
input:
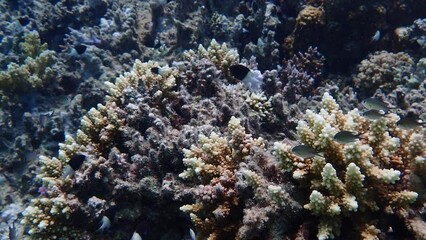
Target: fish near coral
[
  {"x": 73, "y": 165},
  {"x": 192, "y": 234},
  {"x": 345, "y": 137},
  {"x": 373, "y": 114},
  {"x": 252, "y": 79},
  {"x": 80, "y": 48},
  {"x": 136, "y": 236},
  {"x": 375, "y": 104},
  {"x": 304, "y": 151},
  {"x": 376, "y": 36},
  {"x": 409, "y": 122},
  {"x": 105, "y": 224}
]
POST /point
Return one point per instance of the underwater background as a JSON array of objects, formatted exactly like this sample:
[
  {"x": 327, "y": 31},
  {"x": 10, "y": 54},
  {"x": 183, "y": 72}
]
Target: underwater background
[{"x": 212, "y": 119}]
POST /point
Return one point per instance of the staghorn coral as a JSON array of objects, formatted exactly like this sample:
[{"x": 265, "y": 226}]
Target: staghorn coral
[
  {"x": 220, "y": 168},
  {"x": 354, "y": 182}
]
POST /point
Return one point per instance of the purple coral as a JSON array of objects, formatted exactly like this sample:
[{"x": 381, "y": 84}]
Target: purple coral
[{"x": 298, "y": 77}]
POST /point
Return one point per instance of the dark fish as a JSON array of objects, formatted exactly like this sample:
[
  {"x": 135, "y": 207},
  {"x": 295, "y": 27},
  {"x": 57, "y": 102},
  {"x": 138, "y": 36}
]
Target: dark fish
[
  {"x": 76, "y": 161},
  {"x": 239, "y": 71},
  {"x": 12, "y": 232},
  {"x": 58, "y": 136},
  {"x": 45, "y": 117},
  {"x": 252, "y": 79},
  {"x": 12, "y": 181},
  {"x": 408, "y": 123},
  {"x": 375, "y": 104},
  {"x": 304, "y": 151},
  {"x": 80, "y": 48},
  {"x": 155, "y": 70},
  {"x": 23, "y": 21},
  {"x": 345, "y": 137},
  {"x": 373, "y": 114}
]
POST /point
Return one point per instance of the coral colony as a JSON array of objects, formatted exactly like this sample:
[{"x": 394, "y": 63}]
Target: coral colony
[{"x": 177, "y": 120}]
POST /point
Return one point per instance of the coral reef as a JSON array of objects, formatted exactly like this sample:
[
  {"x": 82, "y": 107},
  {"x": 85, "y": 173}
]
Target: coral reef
[
  {"x": 115, "y": 84},
  {"x": 343, "y": 32},
  {"x": 133, "y": 149},
  {"x": 225, "y": 169},
  {"x": 356, "y": 184}
]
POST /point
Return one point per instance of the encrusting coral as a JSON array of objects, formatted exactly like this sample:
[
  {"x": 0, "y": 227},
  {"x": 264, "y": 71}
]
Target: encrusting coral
[
  {"x": 385, "y": 70},
  {"x": 361, "y": 182}
]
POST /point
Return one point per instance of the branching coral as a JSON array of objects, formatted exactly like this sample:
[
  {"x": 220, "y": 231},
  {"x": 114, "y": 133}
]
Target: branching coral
[
  {"x": 260, "y": 104},
  {"x": 143, "y": 76},
  {"x": 298, "y": 76},
  {"x": 356, "y": 180},
  {"x": 49, "y": 218},
  {"x": 36, "y": 71},
  {"x": 132, "y": 146},
  {"x": 220, "y": 166},
  {"x": 220, "y": 55}
]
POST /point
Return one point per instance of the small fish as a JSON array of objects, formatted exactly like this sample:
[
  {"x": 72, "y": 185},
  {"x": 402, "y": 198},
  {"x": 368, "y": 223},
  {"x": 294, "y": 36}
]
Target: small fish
[
  {"x": 156, "y": 70},
  {"x": 373, "y": 114},
  {"x": 410, "y": 122},
  {"x": 192, "y": 234},
  {"x": 12, "y": 232},
  {"x": 73, "y": 165},
  {"x": 252, "y": 79},
  {"x": 105, "y": 224},
  {"x": 93, "y": 41},
  {"x": 76, "y": 161},
  {"x": 345, "y": 137},
  {"x": 376, "y": 36},
  {"x": 12, "y": 181},
  {"x": 80, "y": 48},
  {"x": 44, "y": 119},
  {"x": 421, "y": 41},
  {"x": 239, "y": 71},
  {"x": 136, "y": 236},
  {"x": 375, "y": 104},
  {"x": 23, "y": 21},
  {"x": 304, "y": 151}
]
